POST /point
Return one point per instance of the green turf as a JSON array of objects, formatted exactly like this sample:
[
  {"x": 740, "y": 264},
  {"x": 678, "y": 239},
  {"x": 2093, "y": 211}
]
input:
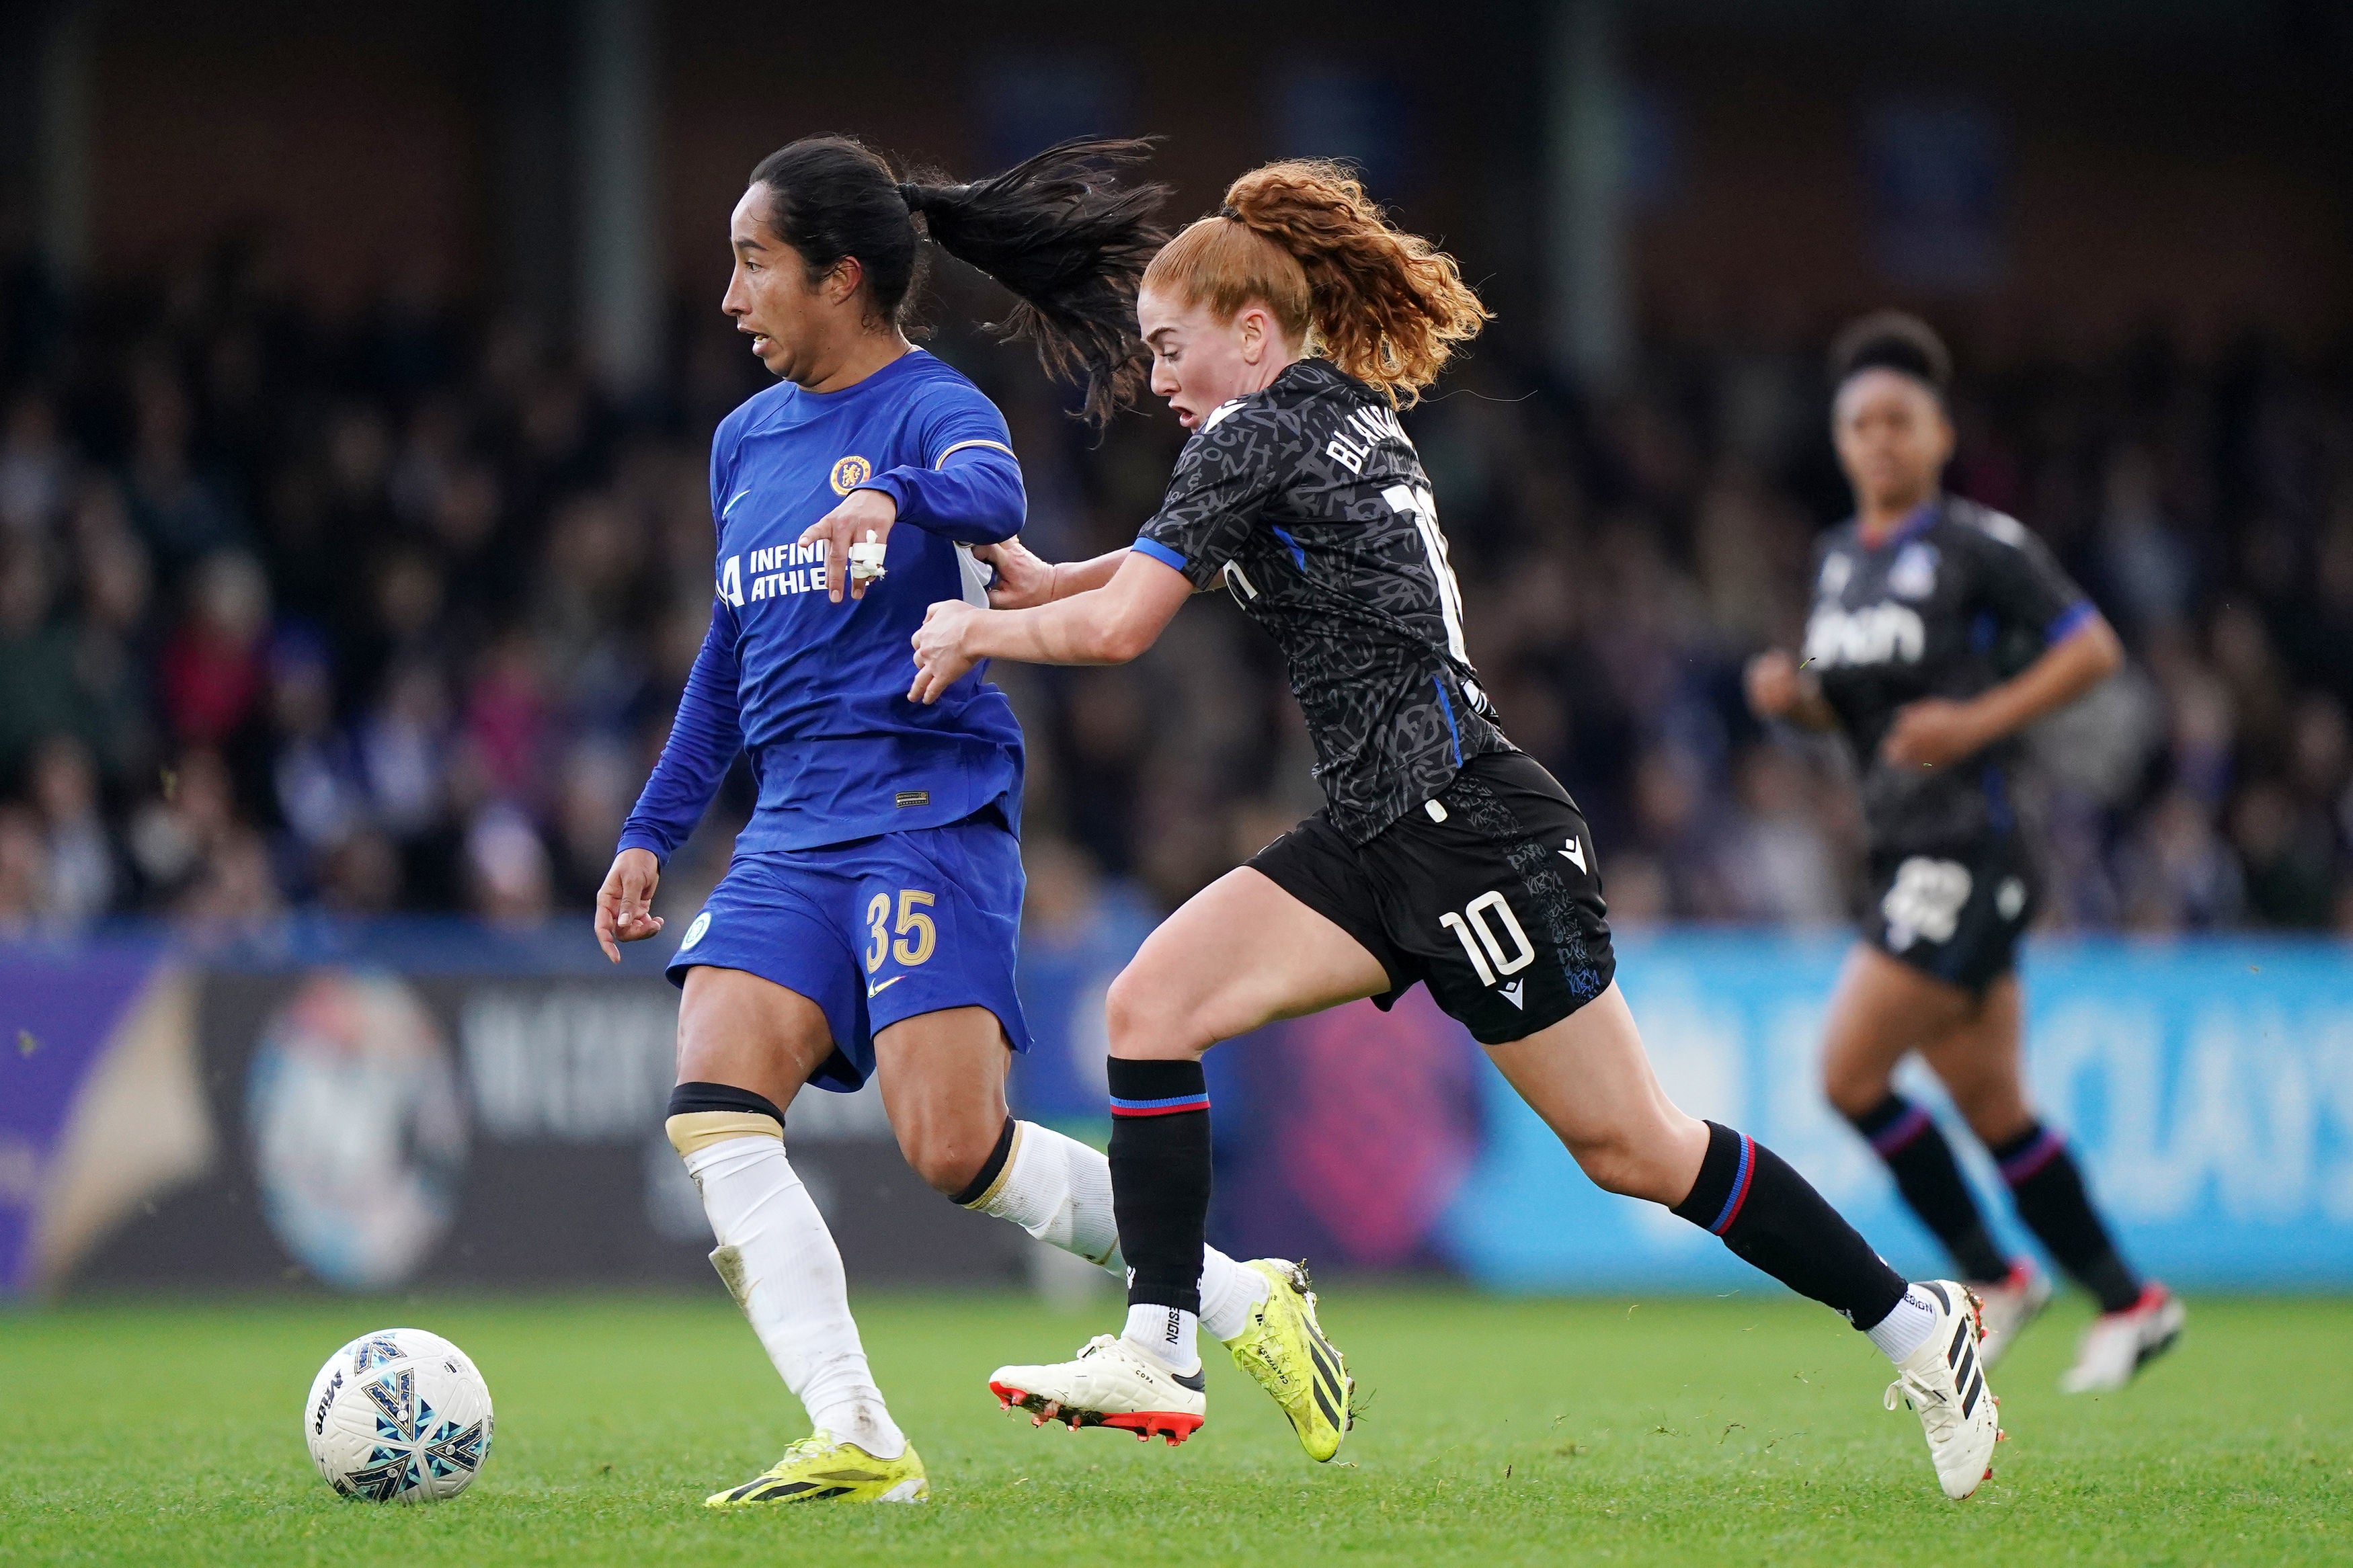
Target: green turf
[{"x": 1741, "y": 1430}]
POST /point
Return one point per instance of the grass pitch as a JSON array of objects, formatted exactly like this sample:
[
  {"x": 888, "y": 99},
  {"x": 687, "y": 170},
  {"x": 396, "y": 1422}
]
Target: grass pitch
[{"x": 1745, "y": 1430}]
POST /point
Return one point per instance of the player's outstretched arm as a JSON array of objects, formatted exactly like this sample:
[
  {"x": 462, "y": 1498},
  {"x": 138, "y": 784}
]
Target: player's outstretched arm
[
  {"x": 1024, "y": 580},
  {"x": 705, "y": 736},
  {"x": 1935, "y": 732},
  {"x": 1109, "y": 625}
]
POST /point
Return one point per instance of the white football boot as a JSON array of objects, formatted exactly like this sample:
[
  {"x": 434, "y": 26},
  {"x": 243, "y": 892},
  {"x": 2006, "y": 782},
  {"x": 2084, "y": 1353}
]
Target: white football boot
[
  {"x": 2006, "y": 1308},
  {"x": 1112, "y": 1384},
  {"x": 1943, "y": 1383},
  {"x": 2117, "y": 1344}
]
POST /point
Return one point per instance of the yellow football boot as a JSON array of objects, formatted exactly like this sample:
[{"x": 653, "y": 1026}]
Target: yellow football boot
[
  {"x": 818, "y": 1469},
  {"x": 1284, "y": 1349}
]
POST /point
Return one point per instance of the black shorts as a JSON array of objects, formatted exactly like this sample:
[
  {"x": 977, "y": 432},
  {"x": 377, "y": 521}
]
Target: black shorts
[
  {"x": 1489, "y": 894},
  {"x": 1957, "y": 914}
]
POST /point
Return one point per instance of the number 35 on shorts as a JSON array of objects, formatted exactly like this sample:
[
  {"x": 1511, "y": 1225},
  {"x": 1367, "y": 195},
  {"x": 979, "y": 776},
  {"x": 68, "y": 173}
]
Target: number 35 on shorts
[{"x": 916, "y": 936}]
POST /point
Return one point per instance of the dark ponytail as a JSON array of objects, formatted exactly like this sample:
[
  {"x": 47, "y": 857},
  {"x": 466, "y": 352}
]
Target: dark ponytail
[{"x": 1064, "y": 238}]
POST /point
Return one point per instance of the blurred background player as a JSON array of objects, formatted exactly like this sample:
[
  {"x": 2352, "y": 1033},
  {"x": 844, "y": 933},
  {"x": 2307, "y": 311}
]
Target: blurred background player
[
  {"x": 1941, "y": 630},
  {"x": 1443, "y": 854}
]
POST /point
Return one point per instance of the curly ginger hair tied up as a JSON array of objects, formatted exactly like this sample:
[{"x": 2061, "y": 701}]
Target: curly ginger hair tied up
[{"x": 1304, "y": 239}]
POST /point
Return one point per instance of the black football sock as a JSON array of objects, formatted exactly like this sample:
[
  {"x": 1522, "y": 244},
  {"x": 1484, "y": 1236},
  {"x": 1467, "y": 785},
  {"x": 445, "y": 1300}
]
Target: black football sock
[
  {"x": 2049, "y": 1191},
  {"x": 1160, "y": 1178},
  {"x": 1772, "y": 1218},
  {"x": 1908, "y": 1139}
]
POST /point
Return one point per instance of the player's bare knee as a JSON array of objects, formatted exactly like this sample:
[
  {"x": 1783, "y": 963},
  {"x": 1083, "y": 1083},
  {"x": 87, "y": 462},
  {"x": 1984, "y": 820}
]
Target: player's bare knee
[
  {"x": 704, "y": 1034},
  {"x": 1994, "y": 1117},
  {"x": 1146, "y": 1016},
  {"x": 1613, "y": 1168},
  {"x": 698, "y": 1051},
  {"x": 945, "y": 1137},
  {"x": 1127, "y": 1006},
  {"x": 1853, "y": 1089},
  {"x": 1629, "y": 1167},
  {"x": 946, "y": 1170},
  {"x": 946, "y": 1155},
  {"x": 708, "y": 1055}
]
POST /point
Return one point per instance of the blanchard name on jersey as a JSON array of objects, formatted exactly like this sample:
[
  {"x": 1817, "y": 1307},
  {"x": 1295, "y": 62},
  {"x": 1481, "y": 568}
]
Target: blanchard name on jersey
[
  {"x": 1338, "y": 556},
  {"x": 772, "y": 573},
  {"x": 1375, "y": 425}
]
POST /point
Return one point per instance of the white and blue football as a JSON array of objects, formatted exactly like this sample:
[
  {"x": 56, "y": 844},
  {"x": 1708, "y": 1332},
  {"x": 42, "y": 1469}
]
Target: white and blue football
[{"x": 398, "y": 1415}]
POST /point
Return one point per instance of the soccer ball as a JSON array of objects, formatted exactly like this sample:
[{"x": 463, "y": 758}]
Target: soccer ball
[{"x": 398, "y": 1415}]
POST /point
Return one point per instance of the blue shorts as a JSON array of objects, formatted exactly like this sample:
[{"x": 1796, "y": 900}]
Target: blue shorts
[{"x": 874, "y": 932}]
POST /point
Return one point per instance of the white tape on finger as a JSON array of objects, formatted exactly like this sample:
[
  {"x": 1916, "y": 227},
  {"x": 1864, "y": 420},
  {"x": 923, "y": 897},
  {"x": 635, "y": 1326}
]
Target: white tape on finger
[{"x": 865, "y": 559}]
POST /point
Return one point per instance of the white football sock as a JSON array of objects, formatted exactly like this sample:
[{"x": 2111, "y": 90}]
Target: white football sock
[
  {"x": 780, "y": 1263},
  {"x": 1059, "y": 1190},
  {"x": 1167, "y": 1334},
  {"x": 1228, "y": 1292},
  {"x": 1906, "y": 1329}
]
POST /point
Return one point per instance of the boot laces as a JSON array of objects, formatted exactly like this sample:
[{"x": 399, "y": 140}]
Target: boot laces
[
  {"x": 807, "y": 1448},
  {"x": 1933, "y": 1406}
]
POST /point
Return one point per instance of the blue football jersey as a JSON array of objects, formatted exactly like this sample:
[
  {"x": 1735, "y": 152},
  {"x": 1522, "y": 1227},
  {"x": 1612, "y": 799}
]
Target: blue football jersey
[{"x": 815, "y": 691}]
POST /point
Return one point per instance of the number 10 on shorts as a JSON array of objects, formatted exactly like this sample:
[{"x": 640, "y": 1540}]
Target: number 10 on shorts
[
  {"x": 913, "y": 901},
  {"x": 1491, "y": 963}
]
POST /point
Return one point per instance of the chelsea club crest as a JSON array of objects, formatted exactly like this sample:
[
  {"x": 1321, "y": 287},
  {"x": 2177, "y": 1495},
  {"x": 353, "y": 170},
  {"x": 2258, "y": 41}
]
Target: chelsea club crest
[{"x": 850, "y": 473}]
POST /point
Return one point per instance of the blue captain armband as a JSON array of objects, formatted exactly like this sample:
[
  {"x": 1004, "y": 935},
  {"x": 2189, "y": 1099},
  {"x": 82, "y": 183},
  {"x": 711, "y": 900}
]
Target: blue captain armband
[
  {"x": 1160, "y": 552},
  {"x": 2070, "y": 620}
]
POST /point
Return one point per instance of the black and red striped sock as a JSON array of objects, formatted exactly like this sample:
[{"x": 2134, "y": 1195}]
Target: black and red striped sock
[
  {"x": 1907, "y": 1138},
  {"x": 1160, "y": 1178},
  {"x": 2049, "y": 1191},
  {"x": 1772, "y": 1218}
]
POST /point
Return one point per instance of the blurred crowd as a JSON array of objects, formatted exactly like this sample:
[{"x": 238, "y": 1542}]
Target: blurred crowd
[{"x": 390, "y": 614}]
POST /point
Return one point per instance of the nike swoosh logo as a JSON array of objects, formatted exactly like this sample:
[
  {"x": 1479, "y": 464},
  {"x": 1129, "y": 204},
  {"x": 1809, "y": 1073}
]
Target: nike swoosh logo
[
  {"x": 730, "y": 505},
  {"x": 878, "y": 990}
]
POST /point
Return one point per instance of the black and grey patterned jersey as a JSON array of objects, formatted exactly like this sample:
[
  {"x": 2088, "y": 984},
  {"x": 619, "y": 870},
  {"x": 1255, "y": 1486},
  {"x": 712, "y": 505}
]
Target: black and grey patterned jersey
[
  {"x": 1957, "y": 599},
  {"x": 1308, "y": 500}
]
